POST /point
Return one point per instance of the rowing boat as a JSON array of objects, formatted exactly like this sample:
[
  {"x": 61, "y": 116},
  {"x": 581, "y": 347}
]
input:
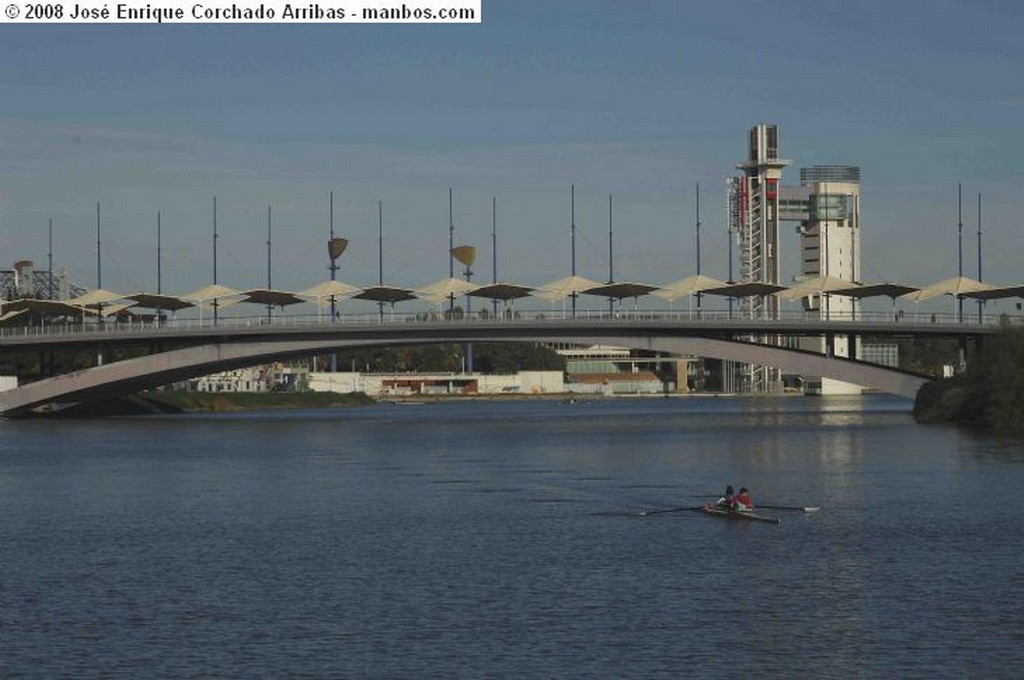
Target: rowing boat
[{"x": 735, "y": 514}]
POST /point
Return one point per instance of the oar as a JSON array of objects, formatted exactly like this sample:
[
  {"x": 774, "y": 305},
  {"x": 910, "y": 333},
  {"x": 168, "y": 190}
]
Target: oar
[
  {"x": 810, "y": 508},
  {"x": 644, "y": 513}
]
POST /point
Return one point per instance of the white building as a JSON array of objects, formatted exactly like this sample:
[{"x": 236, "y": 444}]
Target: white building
[
  {"x": 435, "y": 384},
  {"x": 828, "y": 208},
  {"x": 250, "y": 379},
  {"x": 269, "y": 377}
]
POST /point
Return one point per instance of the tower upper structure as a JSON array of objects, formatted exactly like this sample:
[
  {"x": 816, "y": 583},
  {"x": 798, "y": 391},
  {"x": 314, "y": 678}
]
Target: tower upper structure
[{"x": 757, "y": 214}]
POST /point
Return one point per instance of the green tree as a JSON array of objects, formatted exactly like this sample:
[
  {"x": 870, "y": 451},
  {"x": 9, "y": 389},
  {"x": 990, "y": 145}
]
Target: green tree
[{"x": 996, "y": 380}]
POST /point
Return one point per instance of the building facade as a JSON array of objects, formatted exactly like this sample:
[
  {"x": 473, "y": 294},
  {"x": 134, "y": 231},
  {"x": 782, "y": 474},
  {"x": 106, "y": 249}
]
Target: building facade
[{"x": 826, "y": 207}]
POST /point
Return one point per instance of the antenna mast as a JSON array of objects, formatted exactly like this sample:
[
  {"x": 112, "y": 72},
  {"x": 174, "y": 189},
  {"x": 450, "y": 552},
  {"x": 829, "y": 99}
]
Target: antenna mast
[
  {"x": 494, "y": 249},
  {"x": 960, "y": 248},
  {"x": 49, "y": 256}
]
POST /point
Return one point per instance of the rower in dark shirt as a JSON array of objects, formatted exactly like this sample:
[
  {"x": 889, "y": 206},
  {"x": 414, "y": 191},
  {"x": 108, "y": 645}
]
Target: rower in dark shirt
[{"x": 728, "y": 499}]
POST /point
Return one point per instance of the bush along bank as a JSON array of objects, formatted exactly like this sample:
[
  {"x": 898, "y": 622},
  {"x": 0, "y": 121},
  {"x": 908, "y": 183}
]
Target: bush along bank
[{"x": 990, "y": 396}]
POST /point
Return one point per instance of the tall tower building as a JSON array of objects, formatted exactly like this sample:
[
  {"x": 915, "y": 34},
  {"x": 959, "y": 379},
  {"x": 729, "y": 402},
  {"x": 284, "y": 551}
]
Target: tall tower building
[
  {"x": 754, "y": 218},
  {"x": 830, "y": 233},
  {"x": 830, "y": 246}
]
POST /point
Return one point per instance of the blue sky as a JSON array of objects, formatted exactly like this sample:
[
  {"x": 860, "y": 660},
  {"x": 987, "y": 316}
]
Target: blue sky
[{"x": 641, "y": 100}]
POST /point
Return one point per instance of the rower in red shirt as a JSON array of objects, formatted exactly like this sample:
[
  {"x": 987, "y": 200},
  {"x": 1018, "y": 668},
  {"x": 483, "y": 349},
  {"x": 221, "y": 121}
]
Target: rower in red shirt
[{"x": 743, "y": 502}]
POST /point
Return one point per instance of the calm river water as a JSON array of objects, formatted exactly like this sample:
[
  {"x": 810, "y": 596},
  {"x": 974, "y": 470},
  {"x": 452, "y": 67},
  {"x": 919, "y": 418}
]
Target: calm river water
[{"x": 472, "y": 540}]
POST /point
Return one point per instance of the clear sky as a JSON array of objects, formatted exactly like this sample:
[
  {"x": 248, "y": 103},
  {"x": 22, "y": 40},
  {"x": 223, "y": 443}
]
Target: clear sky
[{"x": 638, "y": 99}]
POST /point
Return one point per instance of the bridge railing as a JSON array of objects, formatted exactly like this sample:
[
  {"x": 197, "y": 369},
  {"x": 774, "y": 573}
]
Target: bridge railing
[{"x": 189, "y": 324}]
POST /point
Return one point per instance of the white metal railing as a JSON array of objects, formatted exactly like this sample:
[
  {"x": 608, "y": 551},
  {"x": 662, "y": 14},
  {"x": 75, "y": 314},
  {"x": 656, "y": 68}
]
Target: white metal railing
[{"x": 711, "y": 317}]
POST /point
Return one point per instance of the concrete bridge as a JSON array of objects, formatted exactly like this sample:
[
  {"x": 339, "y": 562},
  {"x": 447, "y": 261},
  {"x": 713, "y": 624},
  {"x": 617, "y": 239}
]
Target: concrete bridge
[{"x": 181, "y": 350}]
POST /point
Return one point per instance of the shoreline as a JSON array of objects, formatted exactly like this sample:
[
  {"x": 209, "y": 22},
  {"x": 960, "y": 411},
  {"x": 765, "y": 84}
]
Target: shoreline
[{"x": 166, "y": 402}]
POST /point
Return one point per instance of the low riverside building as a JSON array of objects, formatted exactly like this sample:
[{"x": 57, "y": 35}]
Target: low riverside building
[
  {"x": 269, "y": 378},
  {"x": 252, "y": 379},
  {"x": 437, "y": 384},
  {"x": 603, "y": 369},
  {"x": 618, "y": 382}
]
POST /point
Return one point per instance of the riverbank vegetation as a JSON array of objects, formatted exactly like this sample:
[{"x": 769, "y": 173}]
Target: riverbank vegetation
[
  {"x": 488, "y": 357},
  {"x": 990, "y": 396}
]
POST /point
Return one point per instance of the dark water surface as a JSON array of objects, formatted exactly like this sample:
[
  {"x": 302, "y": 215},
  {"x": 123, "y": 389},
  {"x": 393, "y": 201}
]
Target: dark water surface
[{"x": 502, "y": 540}]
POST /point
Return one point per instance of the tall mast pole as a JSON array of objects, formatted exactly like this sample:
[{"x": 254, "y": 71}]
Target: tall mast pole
[
  {"x": 451, "y": 246},
  {"x": 572, "y": 201},
  {"x": 698, "y": 245},
  {"x": 270, "y": 308},
  {"x": 334, "y": 268},
  {"x": 159, "y": 272},
  {"x": 494, "y": 249},
  {"x": 99, "y": 259},
  {"x": 981, "y": 302},
  {"x": 99, "y": 276},
  {"x": 269, "y": 281},
  {"x": 158, "y": 257},
  {"x": 698, "y": 228},
  {"x": 960, "y": 247},
  {"x": 49, "y": 256},
  {"x": 215, "y": 257},
  {"x": 333, "y": 265},
  {"x": 215, "y": 244},
  {"x": 611, "y": 251},
  {"x": 380, "y": 254}
]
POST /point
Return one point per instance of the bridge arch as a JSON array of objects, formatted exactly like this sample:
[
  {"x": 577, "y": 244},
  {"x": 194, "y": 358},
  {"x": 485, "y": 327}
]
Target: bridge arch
[{"x": 125, "y": 377}]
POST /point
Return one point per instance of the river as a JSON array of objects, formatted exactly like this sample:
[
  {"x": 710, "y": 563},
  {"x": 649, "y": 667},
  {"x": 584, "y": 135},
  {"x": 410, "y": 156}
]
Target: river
[{"x": 504, "y": 540}]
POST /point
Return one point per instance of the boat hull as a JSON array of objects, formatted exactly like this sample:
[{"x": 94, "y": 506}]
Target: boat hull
[{"x": 733, "y": 514}]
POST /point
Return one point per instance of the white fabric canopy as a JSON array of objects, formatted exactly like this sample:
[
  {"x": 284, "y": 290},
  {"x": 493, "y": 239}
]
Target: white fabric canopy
[
  {"x": 439, "y": 291},
  {"x": 99, "y": 296},
  {"x": 691, "y": 285},
  {"x": 563, "y": 288},
  {"x": 213, "y": 292},
  {"x": 328, "y": 289},
  {"x": 956, "y": 286},
  {"x": 817, "y": 285}
]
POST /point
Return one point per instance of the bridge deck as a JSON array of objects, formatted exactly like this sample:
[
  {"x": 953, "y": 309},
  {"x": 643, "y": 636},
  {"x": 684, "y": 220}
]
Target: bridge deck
[{"x": 705, "y": 323}]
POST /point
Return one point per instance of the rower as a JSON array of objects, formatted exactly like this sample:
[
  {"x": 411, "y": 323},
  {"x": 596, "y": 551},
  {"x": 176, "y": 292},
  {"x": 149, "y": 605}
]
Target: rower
[
  {"x": 728, "y": 499},
  {"x": 743, "y": 502}
]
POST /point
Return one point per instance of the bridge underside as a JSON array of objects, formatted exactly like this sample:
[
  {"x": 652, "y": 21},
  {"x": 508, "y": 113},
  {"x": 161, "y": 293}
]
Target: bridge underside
[{"x": 133, "y": 375}]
